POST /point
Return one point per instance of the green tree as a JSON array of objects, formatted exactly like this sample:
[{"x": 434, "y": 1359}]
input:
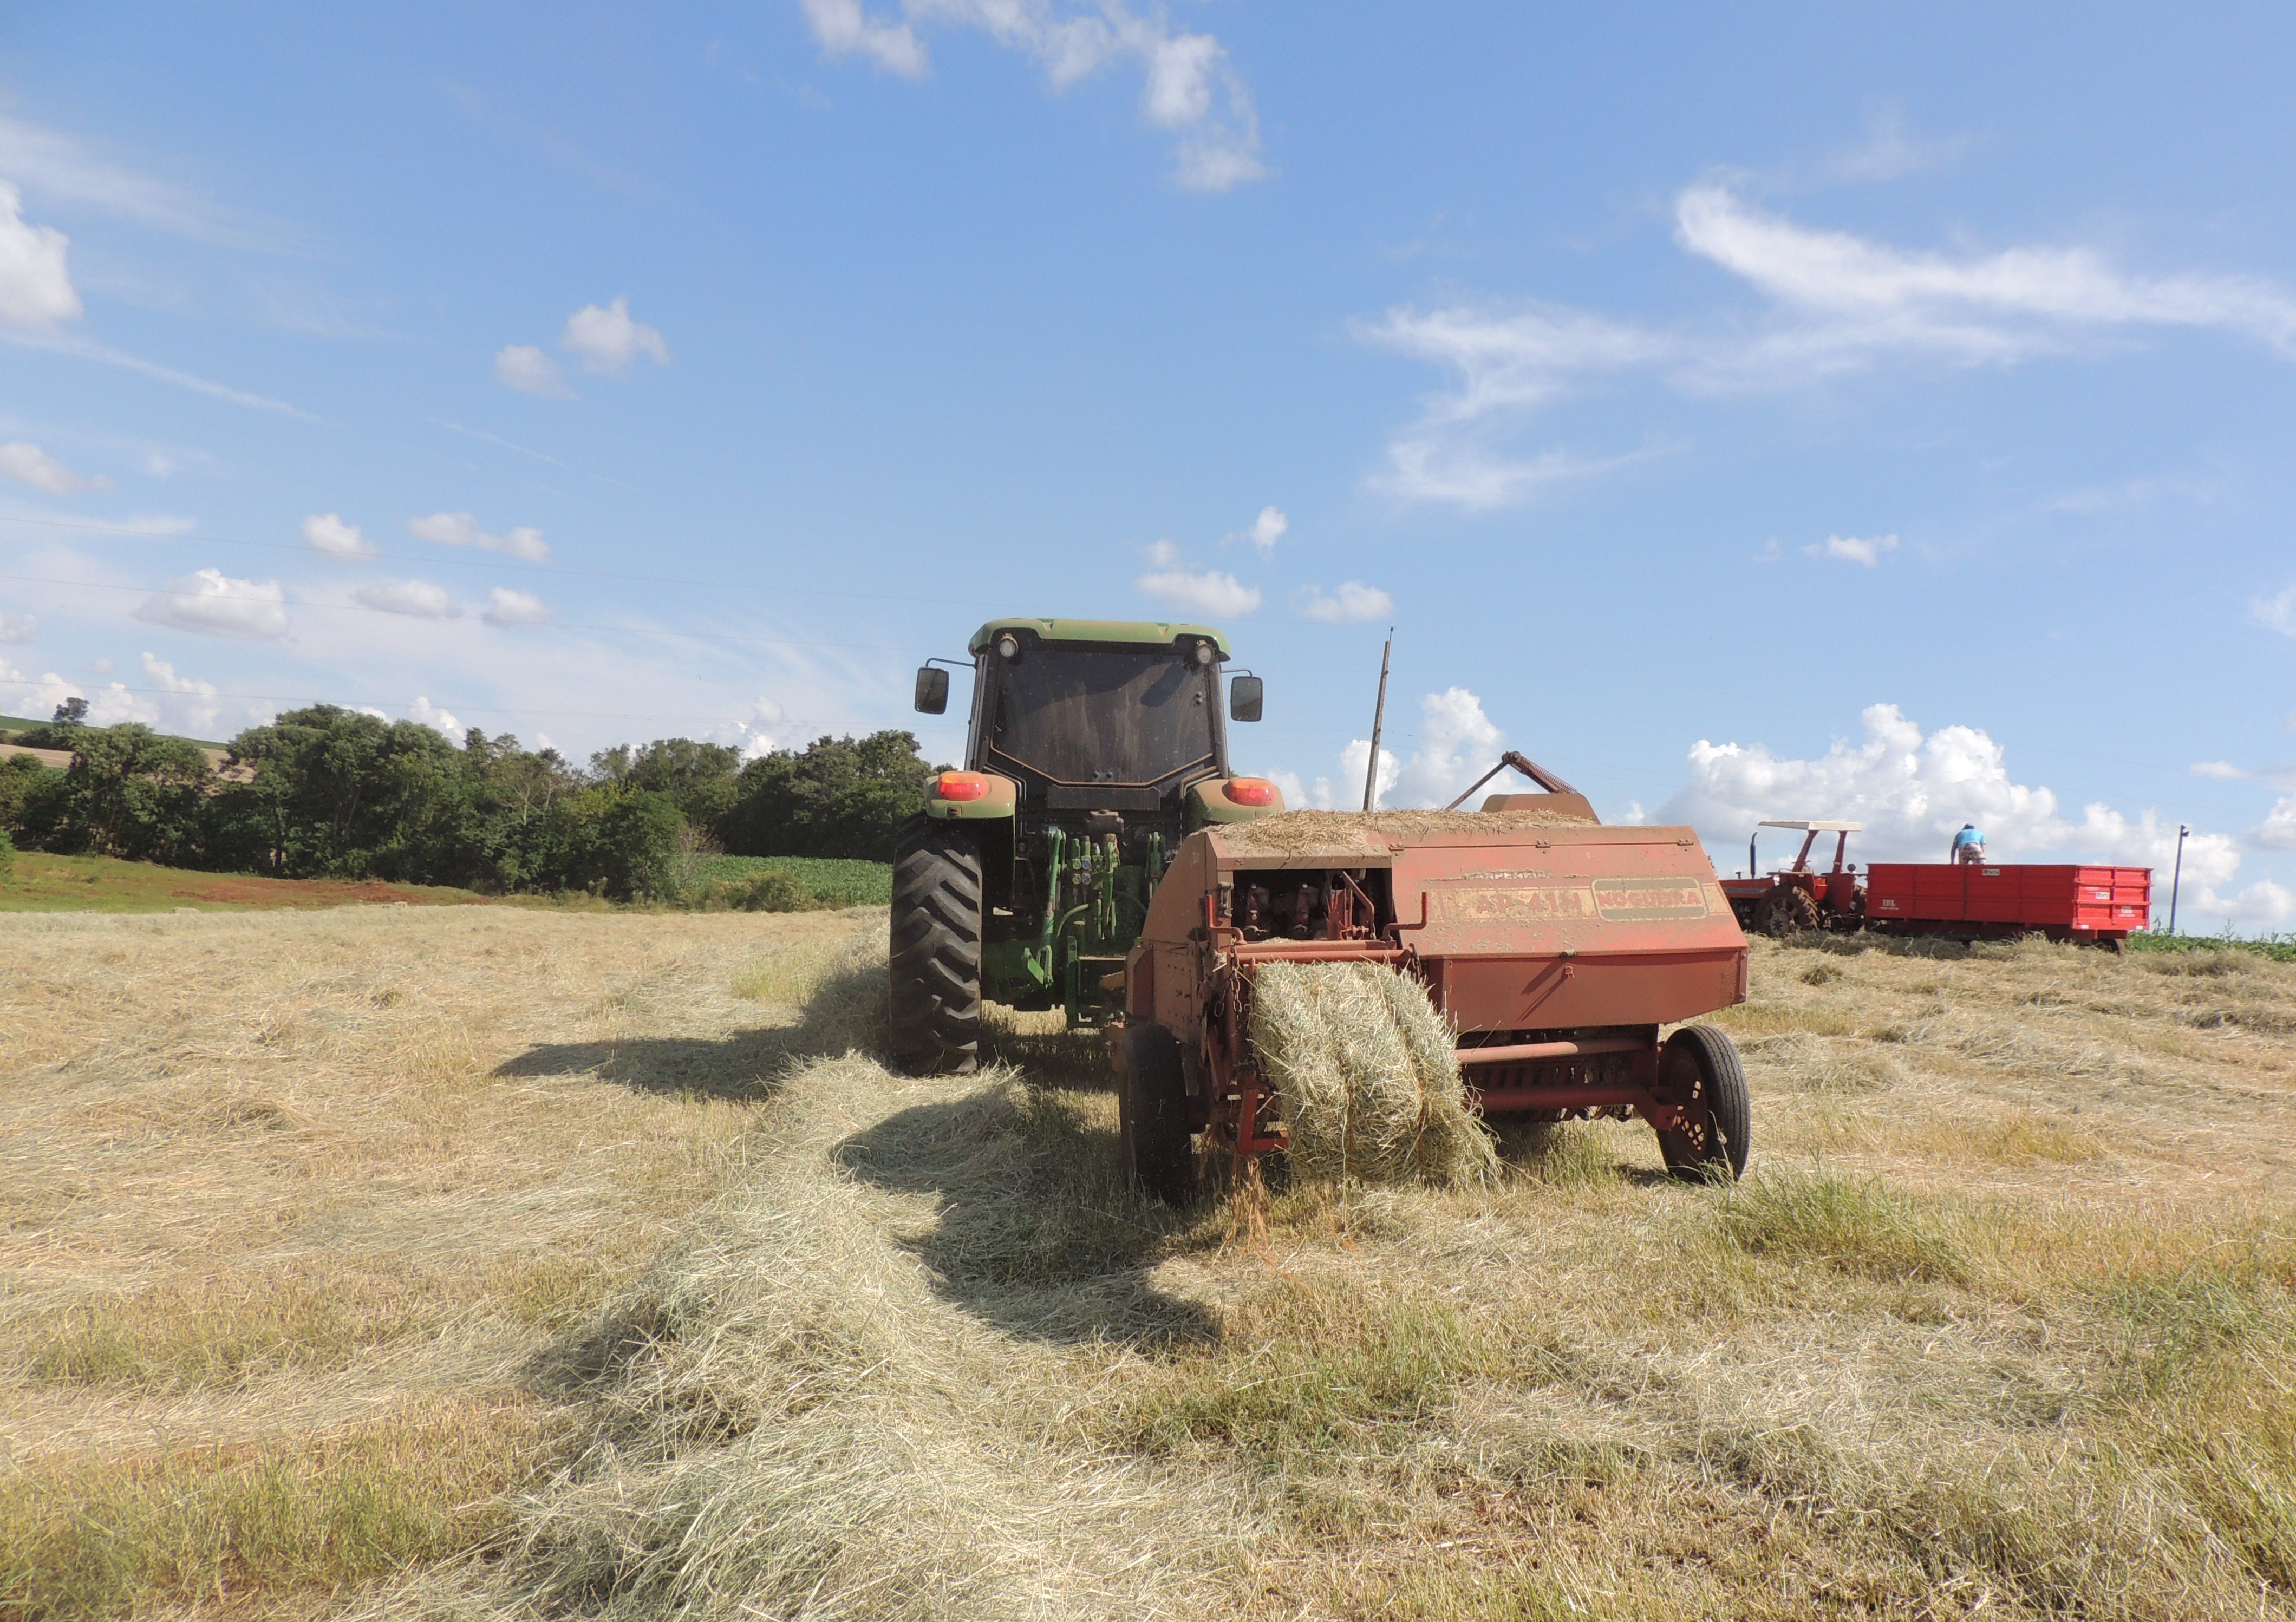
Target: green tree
[
  {"x": 131, "y": 793},
  {"x": 839, "y": 796},
  {"x": 701, "y": 778}
]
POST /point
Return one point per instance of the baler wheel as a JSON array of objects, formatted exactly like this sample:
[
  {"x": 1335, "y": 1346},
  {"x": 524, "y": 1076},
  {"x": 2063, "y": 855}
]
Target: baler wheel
[
  {"x": 1788, "y": 910},
  {"x": 936, "y": 948},
  {"x": 1151, "y": 1113},
  {"x": 1699, "y": 1070}
]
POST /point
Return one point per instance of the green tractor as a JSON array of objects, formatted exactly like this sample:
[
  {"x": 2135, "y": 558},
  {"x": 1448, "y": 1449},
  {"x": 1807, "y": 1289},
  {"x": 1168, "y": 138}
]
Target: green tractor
[{"x": 1095, "y": 747}]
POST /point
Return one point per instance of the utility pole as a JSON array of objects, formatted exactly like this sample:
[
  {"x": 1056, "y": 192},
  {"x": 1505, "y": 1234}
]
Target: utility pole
[
  {"x": 2176, "y": 881},
  {"x": 1378, "y": 720}
]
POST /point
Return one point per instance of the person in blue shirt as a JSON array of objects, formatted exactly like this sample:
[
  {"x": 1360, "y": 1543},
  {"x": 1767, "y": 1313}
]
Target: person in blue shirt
[{"x": 1968, "y": 844}]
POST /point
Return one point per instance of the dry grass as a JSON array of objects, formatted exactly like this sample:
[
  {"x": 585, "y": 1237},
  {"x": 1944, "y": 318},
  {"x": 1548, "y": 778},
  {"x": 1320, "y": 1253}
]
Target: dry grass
[
  {"x": 1292, "y": 832},
  {"x": 2002, "y": 1327},
  {"x": 293, "y": 1202}
]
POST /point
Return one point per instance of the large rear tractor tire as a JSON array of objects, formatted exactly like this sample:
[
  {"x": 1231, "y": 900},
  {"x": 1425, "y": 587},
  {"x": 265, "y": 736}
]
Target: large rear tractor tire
[
  {"x": 1151, "y": 1113},
  {"x": 1787, "y": 910},
  {"x": 1698, "y": 1069},
  {"x": 936, "y": 948}
]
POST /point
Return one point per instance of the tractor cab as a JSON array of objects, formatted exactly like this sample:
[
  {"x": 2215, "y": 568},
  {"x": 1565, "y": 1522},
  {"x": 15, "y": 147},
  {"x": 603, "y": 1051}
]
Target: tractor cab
[{"x": 1093, "y": 747}]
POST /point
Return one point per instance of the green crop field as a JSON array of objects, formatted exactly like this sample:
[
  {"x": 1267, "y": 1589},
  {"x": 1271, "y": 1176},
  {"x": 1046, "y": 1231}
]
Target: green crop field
[{"x": 840, "y": 883}]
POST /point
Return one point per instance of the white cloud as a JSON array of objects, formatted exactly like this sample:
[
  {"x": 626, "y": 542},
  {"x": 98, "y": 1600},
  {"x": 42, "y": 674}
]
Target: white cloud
[
  {"x": 419, "y": 598},
  {"x": 430, "y": 716},
  {"x": 29, "y": 464},
  {"x": 1202, "y": 591},
  {"x": 461, "y": 530},
  {"x": 2217, "y": 768},
  {"x": 765, "y": 729},
  {"x": 843, "y": 28},
  {"x": 1269, "y": 528},
  {"x": 524, "y": 367},
  {"x": 1352, "y": 603},
  {"x": 506, "y": 607},
  {"x": 194, "y": 703},
  {"x": 36, "y": 290},
  {"x": 2276, "y": 613},
  {"x": 212, "y": 603},
  {"x": 1456, "y": 743},
  {"x": 18, "y": 628},
  {"x": 1836, "y": 302},
  {"x": 1187, "y": 86},
  {"x": 606, "y": 339},
  {"x": 327, "y": 532},
  {"x": 1853, "y": 549}
]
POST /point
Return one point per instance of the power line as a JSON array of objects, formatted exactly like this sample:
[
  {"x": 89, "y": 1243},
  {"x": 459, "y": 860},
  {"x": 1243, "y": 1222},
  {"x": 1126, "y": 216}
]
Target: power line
[{"x": 492, "y": 560}]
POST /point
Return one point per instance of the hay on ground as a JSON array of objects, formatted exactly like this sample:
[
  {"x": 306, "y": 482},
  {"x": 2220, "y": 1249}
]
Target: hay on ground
[
  {"x": 1366, "y": 1071},
  {"x": 1290, "y": 832}
]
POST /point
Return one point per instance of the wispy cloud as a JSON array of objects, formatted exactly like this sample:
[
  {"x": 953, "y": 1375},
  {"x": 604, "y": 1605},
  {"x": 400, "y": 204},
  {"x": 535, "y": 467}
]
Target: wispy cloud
[
  {"x": 1188, "y": 87},
  {"x": 64, "y": 169},
  {"x": 1867, "y": 550},
  {"x": 28, "y": 464},
  {"x": 462, "y": 530},
  {"x": 1834, "y": 302}
]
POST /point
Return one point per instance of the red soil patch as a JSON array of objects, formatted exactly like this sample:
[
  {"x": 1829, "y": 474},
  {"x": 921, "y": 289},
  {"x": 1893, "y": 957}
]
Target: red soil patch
[{"x": 238, "y": 890}]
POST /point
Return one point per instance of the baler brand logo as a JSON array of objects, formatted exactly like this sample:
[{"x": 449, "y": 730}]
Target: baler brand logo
[
  {"x": 1649, "y": 900},
  {"x": 1531, "y": 903}
]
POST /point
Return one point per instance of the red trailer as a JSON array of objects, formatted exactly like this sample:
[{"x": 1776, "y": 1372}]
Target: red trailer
[{"x": 1974, "y": 900}]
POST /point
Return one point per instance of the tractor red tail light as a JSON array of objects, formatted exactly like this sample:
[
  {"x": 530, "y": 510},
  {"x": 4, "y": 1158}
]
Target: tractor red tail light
[
  {"x": 961, "y": 785},
  {"x": 1251, "y": 790}
]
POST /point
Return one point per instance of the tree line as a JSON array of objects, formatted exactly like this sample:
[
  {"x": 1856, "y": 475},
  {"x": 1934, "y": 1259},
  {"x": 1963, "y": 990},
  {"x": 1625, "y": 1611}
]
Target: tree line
[{"x": 328, "y": 793}]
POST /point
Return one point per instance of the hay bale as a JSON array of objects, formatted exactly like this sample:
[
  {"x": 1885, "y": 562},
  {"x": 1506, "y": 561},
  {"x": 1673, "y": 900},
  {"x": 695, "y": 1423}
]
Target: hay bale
[
  {"x": 1364, "y": 1066},
  {"x": 1291, "y": 833}
]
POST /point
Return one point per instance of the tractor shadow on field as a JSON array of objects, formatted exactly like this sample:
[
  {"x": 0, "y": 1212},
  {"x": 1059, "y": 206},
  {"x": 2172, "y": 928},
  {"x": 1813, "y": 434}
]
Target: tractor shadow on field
[
  {"x": 843, "y": 1013},
  {"x": 1037, "y": 1236}
]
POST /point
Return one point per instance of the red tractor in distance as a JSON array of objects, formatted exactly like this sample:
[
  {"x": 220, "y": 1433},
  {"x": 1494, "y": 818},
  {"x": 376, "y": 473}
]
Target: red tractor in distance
[{"x": 1790, "y": 900}]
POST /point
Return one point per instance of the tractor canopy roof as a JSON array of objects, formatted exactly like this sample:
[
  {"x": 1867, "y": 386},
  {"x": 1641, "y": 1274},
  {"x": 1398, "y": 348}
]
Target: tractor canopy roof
[{"x": 1133, "y": 632}]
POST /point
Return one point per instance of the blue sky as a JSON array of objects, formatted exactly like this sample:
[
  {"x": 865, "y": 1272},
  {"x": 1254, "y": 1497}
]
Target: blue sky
[{"x": 1774, "y": 413}]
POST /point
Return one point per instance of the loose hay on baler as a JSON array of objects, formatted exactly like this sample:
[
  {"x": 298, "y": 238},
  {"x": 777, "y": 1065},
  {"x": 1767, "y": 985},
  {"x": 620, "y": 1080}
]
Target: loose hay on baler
[{"x": 1552, "y": 948}]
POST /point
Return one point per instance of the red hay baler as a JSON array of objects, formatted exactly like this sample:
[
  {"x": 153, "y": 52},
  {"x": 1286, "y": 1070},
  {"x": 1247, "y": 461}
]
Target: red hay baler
[{"x": 1555, "y": 947}]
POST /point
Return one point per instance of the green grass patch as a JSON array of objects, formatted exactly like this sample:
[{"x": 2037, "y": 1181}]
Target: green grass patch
[
  {"x": 1855, "y": 1227},
  {"x": 120, "y": 1533},
  {"x": 834, "y": 881},
  {"x": 2279, "y": 949},
  {"x": 39, "y": 883},
  {"x": 1308, "y": 1370}
]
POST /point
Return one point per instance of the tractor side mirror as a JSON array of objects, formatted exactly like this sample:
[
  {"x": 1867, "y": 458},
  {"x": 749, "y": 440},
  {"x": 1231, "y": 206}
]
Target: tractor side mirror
[
  {"x": 1243, "y": 699},
  {"x": 932, "y": 690}
]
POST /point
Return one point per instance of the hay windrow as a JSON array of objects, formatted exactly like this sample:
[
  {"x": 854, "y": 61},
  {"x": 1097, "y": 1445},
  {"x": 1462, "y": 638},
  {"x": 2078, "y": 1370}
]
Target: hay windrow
[
  {"x": 1365, "y": 1067},
  {"x": 1290, "y": 832}
]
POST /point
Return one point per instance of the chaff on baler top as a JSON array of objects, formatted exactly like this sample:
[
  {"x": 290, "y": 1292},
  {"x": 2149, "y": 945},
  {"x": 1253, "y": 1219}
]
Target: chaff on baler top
[{"x": 1290, "y": 832}]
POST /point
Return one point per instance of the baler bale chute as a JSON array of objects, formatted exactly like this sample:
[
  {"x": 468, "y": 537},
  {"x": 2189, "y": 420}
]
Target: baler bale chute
[{"x": 1554, "y": 947}]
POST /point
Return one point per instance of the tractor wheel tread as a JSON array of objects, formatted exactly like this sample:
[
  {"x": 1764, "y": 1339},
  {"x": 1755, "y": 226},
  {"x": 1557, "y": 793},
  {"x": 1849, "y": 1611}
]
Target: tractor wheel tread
[
  {"x": 936, "y": 933},
  {"x": 1151, "y": 1112},
  {"x": 1706, "y": 1077}
]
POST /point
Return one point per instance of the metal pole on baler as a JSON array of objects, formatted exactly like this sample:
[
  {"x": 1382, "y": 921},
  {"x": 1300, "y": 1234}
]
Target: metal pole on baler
[
  {"x": 2176, "y": 880},
  {"x": 1378, "y": 719}
]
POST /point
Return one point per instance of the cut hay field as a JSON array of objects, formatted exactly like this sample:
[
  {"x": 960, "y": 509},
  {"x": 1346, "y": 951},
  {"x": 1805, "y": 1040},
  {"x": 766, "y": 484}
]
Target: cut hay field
[{"x": 514, "y": 1264}]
